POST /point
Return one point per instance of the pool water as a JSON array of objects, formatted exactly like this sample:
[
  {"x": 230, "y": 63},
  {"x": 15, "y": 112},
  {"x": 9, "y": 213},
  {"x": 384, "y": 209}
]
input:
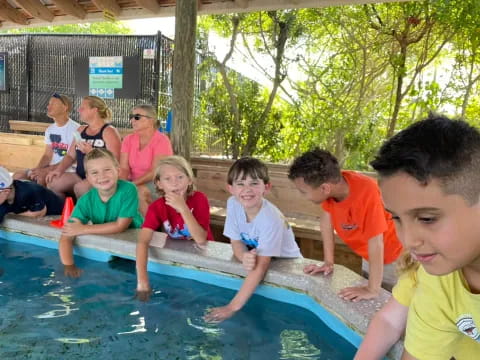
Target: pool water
[{"x": 44, "y": 315}]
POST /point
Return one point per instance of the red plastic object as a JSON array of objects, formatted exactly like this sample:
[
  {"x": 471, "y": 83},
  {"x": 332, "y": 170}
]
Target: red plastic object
[{"x": 66, "y": 213}]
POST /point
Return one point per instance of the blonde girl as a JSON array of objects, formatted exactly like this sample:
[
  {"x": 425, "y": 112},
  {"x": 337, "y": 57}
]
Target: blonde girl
[{"x": 181, "y": 212}]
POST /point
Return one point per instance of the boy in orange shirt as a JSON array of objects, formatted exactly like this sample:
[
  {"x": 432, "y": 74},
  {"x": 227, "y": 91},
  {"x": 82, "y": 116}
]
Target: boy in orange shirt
[{"x": 352, "y": 206}]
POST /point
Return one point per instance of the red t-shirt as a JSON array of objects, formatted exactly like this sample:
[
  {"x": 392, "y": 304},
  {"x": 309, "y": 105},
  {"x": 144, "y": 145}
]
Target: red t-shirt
[
  {"x": 362, "y": 216},
  {"x": 162, "y": 217}
]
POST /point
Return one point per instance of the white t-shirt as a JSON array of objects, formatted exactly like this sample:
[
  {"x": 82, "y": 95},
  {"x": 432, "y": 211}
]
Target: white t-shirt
[
  {"x": 270, "y": 230},
  {"x": 60, "y": 138}
]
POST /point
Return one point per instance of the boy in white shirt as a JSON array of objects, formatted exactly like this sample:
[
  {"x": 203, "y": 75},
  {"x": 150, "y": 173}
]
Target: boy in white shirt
[{"x": 257, "y": 229}]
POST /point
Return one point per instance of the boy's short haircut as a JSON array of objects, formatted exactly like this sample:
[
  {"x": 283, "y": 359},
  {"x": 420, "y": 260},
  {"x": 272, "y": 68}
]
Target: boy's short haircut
[
  {"x": 181, "y": 164},
  {"x": 435, "y": 148},
  {"x": 316, "y": 167},
  {"x": 99, "y": 153},
  {"x": 248, "y": 166}
]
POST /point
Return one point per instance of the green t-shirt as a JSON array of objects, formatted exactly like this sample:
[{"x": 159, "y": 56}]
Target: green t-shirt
[{"x": 123, "y": 204}]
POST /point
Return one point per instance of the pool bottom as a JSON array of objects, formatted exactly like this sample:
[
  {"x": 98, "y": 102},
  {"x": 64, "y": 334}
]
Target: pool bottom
[{"x": 171, "y": 323}]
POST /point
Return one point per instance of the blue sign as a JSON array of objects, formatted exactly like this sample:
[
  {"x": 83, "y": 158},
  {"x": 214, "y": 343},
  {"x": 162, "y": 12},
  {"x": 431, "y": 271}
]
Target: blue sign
[{"x": 3, "y": 71}]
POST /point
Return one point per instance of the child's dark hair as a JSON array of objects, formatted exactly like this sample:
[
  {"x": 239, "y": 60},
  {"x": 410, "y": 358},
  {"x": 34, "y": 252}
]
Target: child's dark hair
[
  {"x": 316, "y": 167},
  {"x": 248, "y": 166},
  {"x": 99, "y": 153},
  {"x": 435, "y": 148}
]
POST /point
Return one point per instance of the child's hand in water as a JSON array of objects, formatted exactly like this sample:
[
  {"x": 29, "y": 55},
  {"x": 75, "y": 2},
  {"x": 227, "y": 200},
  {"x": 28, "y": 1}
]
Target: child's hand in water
[
  {"x": 219, "y": 314},
  {"x": 143, "y": 292},
  {"x": 72, "y": 271},
  {"x": 177, "y": 202},
  {"x": 249, "y": 260}
]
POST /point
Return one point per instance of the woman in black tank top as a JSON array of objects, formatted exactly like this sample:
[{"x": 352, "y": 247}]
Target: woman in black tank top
[{"x": 98, "y": 133}]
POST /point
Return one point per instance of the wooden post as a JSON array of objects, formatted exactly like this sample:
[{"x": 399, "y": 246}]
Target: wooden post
[{"x": 183, "y": 76}]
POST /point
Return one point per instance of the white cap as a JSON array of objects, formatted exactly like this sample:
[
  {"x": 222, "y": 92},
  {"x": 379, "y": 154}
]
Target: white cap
[{"x": 5, "y": 178}]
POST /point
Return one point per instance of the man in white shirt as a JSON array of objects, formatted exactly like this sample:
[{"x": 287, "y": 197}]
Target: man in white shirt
[{"x": 58, "y": 138}]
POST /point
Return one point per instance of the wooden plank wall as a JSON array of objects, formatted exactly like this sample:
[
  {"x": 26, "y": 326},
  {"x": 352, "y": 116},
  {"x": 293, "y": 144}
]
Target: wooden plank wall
[{"x": 24, "y": 151}]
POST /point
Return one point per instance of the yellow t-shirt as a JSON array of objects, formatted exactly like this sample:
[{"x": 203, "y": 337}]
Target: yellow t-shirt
[{"x": 444, "y": 316}]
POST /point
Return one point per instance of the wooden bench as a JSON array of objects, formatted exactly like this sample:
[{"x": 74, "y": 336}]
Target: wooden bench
[{"x": 21, "y": 126}]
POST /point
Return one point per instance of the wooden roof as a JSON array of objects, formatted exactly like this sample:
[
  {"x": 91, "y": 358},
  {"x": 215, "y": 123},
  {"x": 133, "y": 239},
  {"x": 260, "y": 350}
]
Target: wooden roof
[{"x": 27, "y": 13}]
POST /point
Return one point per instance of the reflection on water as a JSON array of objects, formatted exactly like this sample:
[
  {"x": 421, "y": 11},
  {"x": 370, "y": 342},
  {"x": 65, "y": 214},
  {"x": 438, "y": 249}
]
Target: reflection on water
[
  {"x": 96, "y": 316},
  {"x": 65, "y": 296},
  {"x": 295, "y": 345}
]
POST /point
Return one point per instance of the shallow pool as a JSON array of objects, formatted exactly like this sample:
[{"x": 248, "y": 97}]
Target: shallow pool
[{"x": 44, "y": 315}]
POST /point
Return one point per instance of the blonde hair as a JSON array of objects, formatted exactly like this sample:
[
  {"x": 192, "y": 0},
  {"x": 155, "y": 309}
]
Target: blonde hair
[
  {"x": 181, "y": 164},
  {"x": 99, "y": 153},
  {"x": 406, "y": 264},
  {"x": 150, "y": 110},
  {"x": 102, "y": 109}
]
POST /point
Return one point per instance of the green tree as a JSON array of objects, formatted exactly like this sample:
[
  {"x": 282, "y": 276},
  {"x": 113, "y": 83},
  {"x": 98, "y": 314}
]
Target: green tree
[{"x": 105, "y": 27}]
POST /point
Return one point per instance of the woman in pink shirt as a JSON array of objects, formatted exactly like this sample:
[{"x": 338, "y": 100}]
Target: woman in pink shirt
[{"x": 141, "y": 151}]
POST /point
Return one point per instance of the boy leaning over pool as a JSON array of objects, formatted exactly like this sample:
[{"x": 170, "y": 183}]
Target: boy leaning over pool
[
  {"x": 430, "y": 182},
  {"x": 110, "y": 207},
  {"x": 257, "y": 230}
]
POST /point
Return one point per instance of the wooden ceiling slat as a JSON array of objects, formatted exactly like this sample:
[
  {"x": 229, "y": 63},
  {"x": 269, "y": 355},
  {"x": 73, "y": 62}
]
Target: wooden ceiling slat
[
  {"x": 78, "y": 11},
  {"x": 36, "y": 9},
  {"x": 71, "y": 7},
  {"x": 109, "y": 6},
  {"x": 242, "y": 3},
  {"x": 9, "y": 13},
  {"x": 151, "y": 5}
]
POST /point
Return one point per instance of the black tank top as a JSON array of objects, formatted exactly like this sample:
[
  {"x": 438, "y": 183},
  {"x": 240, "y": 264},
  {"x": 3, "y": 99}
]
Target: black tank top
[{"x": 96, "y": 141}]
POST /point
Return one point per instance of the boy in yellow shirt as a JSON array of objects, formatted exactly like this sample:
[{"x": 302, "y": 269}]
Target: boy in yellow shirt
[{"x": 429, "y": 175}]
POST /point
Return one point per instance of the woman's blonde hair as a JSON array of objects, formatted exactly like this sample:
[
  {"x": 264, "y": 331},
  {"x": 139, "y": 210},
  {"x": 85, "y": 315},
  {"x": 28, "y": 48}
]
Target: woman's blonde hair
[
  {"x": 100, "y": 153},
  {"x": 181, "y": 164},
  {"x": 150, "y": 110},
  {"x": 102, "y": 109}
]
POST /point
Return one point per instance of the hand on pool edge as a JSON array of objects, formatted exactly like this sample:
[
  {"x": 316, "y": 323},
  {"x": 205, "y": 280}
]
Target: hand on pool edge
[
  {"x": 218, "y": 314},
  {"x": 72, "y": 271},
  {"x": 357, "y": 293}
]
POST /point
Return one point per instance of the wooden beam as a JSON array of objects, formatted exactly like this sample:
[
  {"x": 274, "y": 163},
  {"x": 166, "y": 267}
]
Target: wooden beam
[
  {"x": 151, "y": 5},
  {"x": 242, "y": 3},
  {"x": 36, "y": 9},
  {"x": 108, "y": 6},
  {"x": 71, "y": 7},
  {"x": 183, "y": 75},
  {"x": 9, "y": 13}
]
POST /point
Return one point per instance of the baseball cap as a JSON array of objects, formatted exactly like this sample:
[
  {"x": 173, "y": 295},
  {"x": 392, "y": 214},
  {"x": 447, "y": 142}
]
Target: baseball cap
[{"x": 5, "y": 178}]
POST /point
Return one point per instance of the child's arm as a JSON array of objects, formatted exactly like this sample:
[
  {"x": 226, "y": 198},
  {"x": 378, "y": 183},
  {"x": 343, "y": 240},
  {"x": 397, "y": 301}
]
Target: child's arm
[
  {"x": 251, "y": 282},
  {"x": 38, "y": 213},
  {"x": 143, "y": 286},
  {"x": 384, "y": 331},
  {"x": 328, "y": 239},
  {"x": 199, "y": 234},
  {"x": 65, "y": 249},
  {"x": 77, "y": 228},
  {"x": 375, "y": 277}
]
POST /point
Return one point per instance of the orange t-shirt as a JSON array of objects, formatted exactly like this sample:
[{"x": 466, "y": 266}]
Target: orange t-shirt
[{"x": 362, "y": 216}]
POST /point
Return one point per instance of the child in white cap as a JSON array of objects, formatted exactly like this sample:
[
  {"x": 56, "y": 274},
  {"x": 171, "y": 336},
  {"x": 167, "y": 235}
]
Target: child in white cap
[{"x": 26, "y": 198}]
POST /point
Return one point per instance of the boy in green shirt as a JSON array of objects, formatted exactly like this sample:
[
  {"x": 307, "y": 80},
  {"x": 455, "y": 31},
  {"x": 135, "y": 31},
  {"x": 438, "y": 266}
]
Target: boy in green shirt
[{"x": 110, "y": 207}]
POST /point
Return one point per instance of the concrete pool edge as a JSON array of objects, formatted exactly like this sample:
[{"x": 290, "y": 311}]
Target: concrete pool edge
[{"x": 217, "y": 258}]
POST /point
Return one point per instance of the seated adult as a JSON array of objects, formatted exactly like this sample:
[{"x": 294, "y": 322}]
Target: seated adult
[
  {"x": 58, "y": 138},
  {"x": 98, "y": 133},
  {"x": 141, "y": 151}
]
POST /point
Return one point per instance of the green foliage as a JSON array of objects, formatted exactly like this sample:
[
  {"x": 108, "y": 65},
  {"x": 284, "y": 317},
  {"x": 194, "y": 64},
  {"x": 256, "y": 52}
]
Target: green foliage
[
  {"x": 105, "y": 27},
  {"x": 354, "y": 73}
]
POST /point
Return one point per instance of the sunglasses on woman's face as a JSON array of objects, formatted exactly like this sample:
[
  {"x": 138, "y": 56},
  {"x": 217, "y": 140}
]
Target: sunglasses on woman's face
[{"x": 138, "y": 116}]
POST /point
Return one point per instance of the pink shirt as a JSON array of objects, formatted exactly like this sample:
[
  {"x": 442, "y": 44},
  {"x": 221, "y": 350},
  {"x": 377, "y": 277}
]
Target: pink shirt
[{"x": 140, "y": 161}]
